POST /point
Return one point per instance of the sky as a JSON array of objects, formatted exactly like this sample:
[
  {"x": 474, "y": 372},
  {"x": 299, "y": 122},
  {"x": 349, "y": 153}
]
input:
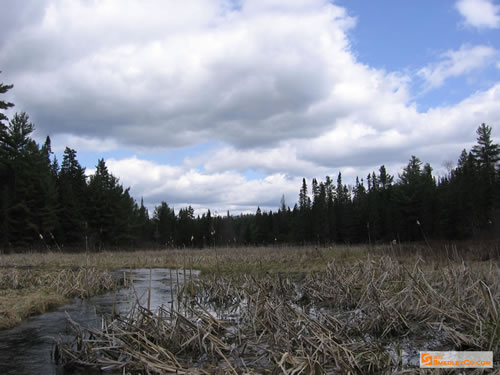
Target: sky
[{"x": 228, "y": 104}]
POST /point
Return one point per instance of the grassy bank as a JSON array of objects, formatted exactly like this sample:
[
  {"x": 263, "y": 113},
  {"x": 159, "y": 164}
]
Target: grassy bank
[{"x": 25, "y": 291}]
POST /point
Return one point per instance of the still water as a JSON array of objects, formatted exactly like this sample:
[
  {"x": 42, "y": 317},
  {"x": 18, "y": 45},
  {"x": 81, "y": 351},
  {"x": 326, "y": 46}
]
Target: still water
[{"x": 27, "y": 348}]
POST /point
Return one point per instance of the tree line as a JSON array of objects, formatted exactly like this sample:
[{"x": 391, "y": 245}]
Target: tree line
[{"x": 47, "y": 205}]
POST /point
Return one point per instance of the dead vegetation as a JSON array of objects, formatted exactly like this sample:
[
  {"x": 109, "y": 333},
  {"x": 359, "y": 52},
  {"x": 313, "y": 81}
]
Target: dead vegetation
[
  {"x": 256, "y": 260},
  {"x": 27, "y": 291},
  {"x": 82, "y": 282},
  {"x": 370, "y": 316},
  {"x": 209, "y": 260}
]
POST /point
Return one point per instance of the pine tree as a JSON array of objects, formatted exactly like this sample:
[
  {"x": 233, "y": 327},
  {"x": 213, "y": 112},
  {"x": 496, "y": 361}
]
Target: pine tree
[
  {"x": 4, "y": 105},
  {"x": 415, "y": 198},
  {"x": 360, "y": 209},
  {"x": 315, "y": 188},
  {"x": 227, "y": 230},
  {"x": 283, "y": 221},
  {"x": 330, "y": 198},
  {"x": 259, "y": 227},
  {"x": 164, "y": 222},
  {"x": 112, "y": 212},
  {"x": 384, "y": 178},
  {"x": 320, "y": 228},
  {"x": 185, "y": 228},
  {"x": 486, "y": 152},
  {"x": 146, "y": 229},
  {"x": 386, "y": 204},
  {"x": 20, "y": 155},
  {"x": 343, "y": 214},
  {"x": 4, "y": 171},
  {"x": 304, "y": 200},
  {"x": 466, "y": 180},
  {"x": 73, "y": 199},
  {"x": 304, "y": 219},
  {"x": 46, "y": 198},
  {"x": 487, "y": 155}
]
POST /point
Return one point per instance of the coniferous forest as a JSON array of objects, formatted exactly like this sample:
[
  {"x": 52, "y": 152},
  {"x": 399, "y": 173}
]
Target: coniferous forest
[{"x": 51, "y": 204}]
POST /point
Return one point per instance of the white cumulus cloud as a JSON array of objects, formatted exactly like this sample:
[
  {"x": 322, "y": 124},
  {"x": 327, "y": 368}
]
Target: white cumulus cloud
[
  {"x": 275, "y": 85},
  {"x": 455, "y": 63},
  {"x": 182, "y": 186},
  {"x": 480, "y": 13}
]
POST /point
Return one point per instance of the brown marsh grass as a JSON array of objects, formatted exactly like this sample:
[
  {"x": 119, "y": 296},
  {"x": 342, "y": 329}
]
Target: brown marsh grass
[
  {"x": 32, "y": 283},
  {"x": 367, "y": 316},
  {"x": 18, "y": 302},
  {"x": 260, "y": 260},
  {"x": 34, "y": 290},
  {"x": 223, "y": 260}
]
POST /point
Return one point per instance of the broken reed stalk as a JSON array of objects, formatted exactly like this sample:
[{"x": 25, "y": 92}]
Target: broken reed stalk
[
  {"x": 353, "y": 318},
  {"x": 177, "y": 288},
  {"x": 369, "y": 236},
  {"x": 171, "y": 290},
  {"x": 184, "y": 285},
  {"x": 149, "y": 289}
]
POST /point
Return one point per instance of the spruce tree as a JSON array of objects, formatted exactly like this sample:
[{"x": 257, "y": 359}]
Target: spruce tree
[
  {"x": 304, "y": 219},
  {"x": 330, "y": 198},
  {"x": 20, "y": 156},
  {"x": 145, "y": 226},
  {"x": 46, "y": 198},
  {"x": 164, "y": 223},
  {"x": 487, "y": 155},
  {"x": 4, "y": 105},
  {"x": 486, "y": 152},
  {"x": 4, "y": 171},
  {"x": 104, "y": 195},
  {"x": 320, "y": 229},
  {"x": 72, "y": 187},
  {"x": 304, "y": 200}
]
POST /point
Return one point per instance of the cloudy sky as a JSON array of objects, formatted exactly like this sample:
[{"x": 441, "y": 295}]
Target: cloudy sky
[{"x": 227, "y": 104}]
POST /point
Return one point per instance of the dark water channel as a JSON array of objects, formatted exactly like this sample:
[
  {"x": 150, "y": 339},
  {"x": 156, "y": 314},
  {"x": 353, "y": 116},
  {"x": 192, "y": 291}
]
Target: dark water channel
[{"x": 27, "y": 348}]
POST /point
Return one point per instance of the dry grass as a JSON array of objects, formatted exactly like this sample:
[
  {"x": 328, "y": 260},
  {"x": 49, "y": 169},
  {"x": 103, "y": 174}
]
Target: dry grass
[
  {"x": 36, "y": 270},
  {"x": 28, "y": 291},
  {"x": 228, "y": 260},
  {"x": 358, "y": 317},
  {"x": 258, "y": 260},
  {"x": 16, "y": 305},
  {"x": 32, "y": 283}
]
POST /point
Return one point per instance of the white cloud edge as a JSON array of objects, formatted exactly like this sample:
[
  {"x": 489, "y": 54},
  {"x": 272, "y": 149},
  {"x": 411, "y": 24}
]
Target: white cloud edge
[
  {"x": 383, "y": 112},
  {"x": 480, "y": 14},
  {"x": 455, "y": 63}
]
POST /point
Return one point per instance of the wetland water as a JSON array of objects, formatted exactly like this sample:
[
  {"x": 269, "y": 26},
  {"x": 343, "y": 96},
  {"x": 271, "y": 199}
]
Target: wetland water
[{"x": 27, "y": 348}]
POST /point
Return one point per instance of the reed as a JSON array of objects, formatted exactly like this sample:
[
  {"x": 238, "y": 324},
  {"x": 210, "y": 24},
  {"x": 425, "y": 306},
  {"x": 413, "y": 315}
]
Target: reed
[
  {"x": 29, "y": 291},
  {"x": 82, "y": 282},
  {"x": 367, "y": 316},
  {"x": 257, "y": 260},
  {"x": 227, "y": 260}
]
